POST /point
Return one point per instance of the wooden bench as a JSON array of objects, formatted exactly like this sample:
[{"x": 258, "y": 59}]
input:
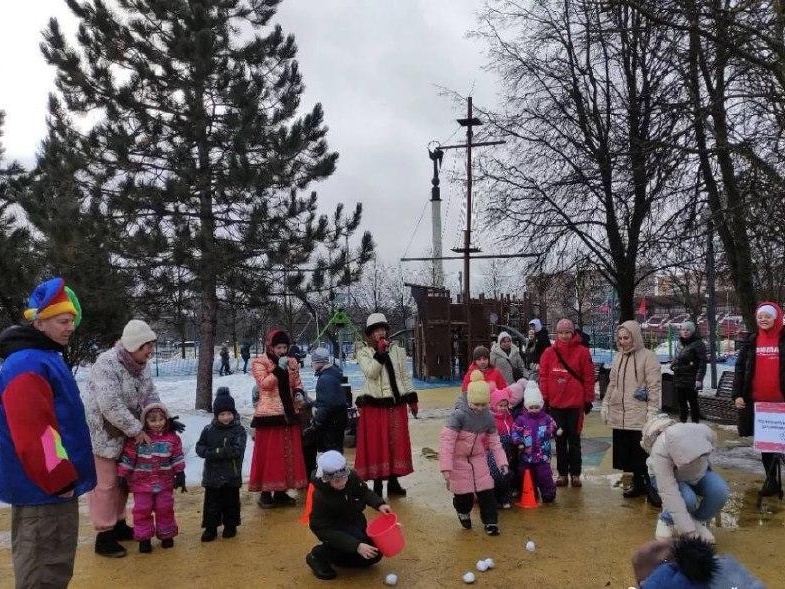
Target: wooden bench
[{"x": 720, "y": 407}]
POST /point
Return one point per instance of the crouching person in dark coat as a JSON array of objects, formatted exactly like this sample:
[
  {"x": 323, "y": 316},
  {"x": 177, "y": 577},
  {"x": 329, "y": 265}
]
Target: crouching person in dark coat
[
  {"x": 339, "y": 499},
  {"x": 222, "y": 445}
]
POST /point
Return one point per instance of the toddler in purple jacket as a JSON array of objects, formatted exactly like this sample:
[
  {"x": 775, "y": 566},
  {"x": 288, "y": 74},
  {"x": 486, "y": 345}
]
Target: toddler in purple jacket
[
  {"x": 532, "y": 432},
  {"x": 152, "y": 470}
]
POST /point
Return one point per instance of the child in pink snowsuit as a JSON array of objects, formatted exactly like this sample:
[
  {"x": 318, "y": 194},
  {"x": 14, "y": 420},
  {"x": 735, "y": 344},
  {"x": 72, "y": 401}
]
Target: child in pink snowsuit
[{"x": 152, "y": 470}]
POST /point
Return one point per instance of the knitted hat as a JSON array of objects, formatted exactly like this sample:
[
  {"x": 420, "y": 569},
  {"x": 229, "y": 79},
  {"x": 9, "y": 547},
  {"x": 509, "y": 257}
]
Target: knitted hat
[
  {"x": 688, "y": 325},
  {"x": 536, "y": 324},
  {"x": 768, "y": 309},
  {"x": 480, "y": 352},
  {"x": 532, "y": 397},
  {"x": 478, "y": 392},
  {"x": 502, "y": 336},
  {"x": 375, "y": 320},
  {"x": 565, "y": 325},
  {"x": 653, "y": 428},
  {"x": 151, "y": 407},
  {"x": 331, "y": 466},
  {"x": 280, "y": 337},
  {"x": 223, "y": 401},
  {"x": 51, "y": 298},
  {"x": 136, "y": 333},
  {"x": 497, "y": 396},
  {"x": 320, "y": 356}
]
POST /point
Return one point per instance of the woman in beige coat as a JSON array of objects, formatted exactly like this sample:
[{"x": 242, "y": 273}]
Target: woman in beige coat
[{"x": 633, "y": 396}]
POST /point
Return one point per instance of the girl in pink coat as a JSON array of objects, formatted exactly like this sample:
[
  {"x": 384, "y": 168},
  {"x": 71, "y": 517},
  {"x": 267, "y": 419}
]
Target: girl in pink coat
[
  {"x": 152, "y": 471},
  {"x": 462, "y": 459}
]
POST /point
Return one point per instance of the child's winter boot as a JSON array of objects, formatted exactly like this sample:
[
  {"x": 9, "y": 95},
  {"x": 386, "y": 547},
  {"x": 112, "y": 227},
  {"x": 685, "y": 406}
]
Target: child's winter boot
[
  {"x": 167, "y": 542},
  {"x": 229, "y": 531},
  {"x": 209, "y": 534},
  {"x": 145, "y": 546},
  {"x": 466, "y": 520}
]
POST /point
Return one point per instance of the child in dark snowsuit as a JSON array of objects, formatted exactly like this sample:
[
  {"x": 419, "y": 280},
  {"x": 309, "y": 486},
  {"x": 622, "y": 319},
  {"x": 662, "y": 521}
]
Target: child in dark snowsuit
[
  {"x": 331, "y": 417},
  {"x": 222, "y": 445},
  {"x": 336, "y": 517}
]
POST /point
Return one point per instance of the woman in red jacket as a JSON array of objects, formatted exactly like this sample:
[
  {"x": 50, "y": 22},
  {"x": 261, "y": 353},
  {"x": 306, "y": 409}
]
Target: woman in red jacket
[{"x": 567, "y": 386}]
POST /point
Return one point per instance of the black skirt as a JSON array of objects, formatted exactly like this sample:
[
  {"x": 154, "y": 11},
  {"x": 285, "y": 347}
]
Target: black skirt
[{"x": 628, "y": 456}]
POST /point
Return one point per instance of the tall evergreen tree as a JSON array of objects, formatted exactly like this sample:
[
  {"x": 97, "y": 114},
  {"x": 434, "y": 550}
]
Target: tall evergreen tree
[
  {"x": 72, "y": 242},
  {"x": 200, "y": 154},
  {"x": 17, "y": 260}
]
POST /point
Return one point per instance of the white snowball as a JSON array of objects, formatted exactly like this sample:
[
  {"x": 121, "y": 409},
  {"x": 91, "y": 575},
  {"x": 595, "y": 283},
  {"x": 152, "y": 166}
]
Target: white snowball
[
  {"x": 489, "y": 562},
  {"x": 482, "y": 566},
  {"x": 391, "y": 579},
  {"x": 530, "y": 546},
  {"x": 468, "y": 577}
]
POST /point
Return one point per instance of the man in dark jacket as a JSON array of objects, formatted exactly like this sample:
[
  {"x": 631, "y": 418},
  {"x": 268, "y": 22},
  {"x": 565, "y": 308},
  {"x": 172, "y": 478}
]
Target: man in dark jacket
[
  {"x": 330, "y": 418},
  {"x": 689, "y": 368},
  {"x": 339, "y": 499},
  {"x": 222, "y": 445},
  {"x": 225, "y": 369},
  {"x": 541, "y": 343},
  {"x": 46, "y": 459},
  {"x": 245, "y": 354}
]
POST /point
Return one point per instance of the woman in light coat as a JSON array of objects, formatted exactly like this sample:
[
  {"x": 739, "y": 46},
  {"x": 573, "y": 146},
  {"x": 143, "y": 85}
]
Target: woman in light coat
[
  {"x": 681, "y": 471},
  {"x": 383, "y": 447},
  {"x": 633, "y": 396},
  {"x": 507, "y": 359},
  {"x": 118, "y": 387}
]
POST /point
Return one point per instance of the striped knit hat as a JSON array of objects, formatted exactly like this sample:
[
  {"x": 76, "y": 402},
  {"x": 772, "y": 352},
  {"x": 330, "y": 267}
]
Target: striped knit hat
[{"x": 52, "y": 298}]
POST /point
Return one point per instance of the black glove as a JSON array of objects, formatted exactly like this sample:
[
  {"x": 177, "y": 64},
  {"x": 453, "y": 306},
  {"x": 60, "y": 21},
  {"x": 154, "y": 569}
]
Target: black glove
[
  {"x": 179, "y": 482},
  {"x": 588, "y": 407},
  {"x": 176, "y": 426},
  {"x": 122, "y": 482}
]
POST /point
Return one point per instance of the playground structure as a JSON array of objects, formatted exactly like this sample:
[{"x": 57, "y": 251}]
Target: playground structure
[{"x": 441, "y": 346}]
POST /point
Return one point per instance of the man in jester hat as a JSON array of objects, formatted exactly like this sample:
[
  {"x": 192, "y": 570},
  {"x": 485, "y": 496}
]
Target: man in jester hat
[{"x": 46, "y": 460}]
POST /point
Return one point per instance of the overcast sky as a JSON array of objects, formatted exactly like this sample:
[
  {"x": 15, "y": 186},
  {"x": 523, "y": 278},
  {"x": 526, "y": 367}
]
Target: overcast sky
[{"x": 378, "y": 68}]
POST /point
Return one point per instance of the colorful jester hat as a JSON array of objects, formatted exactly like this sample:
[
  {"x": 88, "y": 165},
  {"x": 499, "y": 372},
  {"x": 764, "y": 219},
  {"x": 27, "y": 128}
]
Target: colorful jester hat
[{"x": 51, "y": 298}]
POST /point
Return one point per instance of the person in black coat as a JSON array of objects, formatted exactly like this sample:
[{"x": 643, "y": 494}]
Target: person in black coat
[
  {"x": 541, "y": 343},
  {"x": 245, "y": 354},
  {"x": 222, "y": 445},
  {"x": 689, "y": 368},
  {"x": 337, "y": 520}
]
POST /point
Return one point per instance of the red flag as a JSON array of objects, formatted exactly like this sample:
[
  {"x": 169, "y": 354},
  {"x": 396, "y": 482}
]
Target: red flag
[{"x": 642, "y": 309}]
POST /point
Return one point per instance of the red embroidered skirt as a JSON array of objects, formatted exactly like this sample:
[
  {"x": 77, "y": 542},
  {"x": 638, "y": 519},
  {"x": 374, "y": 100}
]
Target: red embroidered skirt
[
  {"x": 278, "y": 462},
  {"x": 383, "y": 446}
]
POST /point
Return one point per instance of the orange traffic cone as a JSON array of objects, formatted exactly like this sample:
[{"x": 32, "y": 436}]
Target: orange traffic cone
[{"x": 528, "y": 498}]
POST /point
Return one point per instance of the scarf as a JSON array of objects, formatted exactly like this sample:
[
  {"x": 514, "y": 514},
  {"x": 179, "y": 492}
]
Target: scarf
[{"x": 133, "y": 367}]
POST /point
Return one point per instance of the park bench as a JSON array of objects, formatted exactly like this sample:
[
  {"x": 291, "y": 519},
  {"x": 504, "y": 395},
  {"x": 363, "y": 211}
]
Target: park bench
[{"x": 720, "y": 407}]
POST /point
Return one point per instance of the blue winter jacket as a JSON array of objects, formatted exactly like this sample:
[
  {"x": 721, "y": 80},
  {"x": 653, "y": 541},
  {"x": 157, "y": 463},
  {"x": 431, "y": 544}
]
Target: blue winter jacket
[
  {"x": 329, "y": 393},
  {"x": 45, "y": 448}
]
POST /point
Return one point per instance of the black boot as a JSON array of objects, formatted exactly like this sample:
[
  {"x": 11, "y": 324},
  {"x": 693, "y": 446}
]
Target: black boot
[
  {"x": 377, "y": 487},
  {"x": 394, "y": 487},
  {"x": 209, "y": 534},
  {"x": 167, "y": 543},
  {"x": 652, "y": 496},
  {"x": 106, "y": 545},
  {"x": 638, "y": 488},
  {"x": 320, "y": 566},
  {"x": 145, "y": 546},
  {"x": 281, "y": 499},
  {"x": 229, "y": 531},
  {"x": 123, "y": 531}
]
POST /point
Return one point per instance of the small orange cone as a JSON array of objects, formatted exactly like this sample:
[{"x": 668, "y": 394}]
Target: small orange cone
[{"x": 528, "y": 496}]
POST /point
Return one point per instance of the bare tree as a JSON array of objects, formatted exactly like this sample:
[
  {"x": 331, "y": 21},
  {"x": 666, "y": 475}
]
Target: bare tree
[{"x": 591, "y": 169}]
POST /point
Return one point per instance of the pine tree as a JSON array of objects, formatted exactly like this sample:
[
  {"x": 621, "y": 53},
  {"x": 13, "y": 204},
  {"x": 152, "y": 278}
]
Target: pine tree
[
  {"x": 18, "y": 262},
  {"x": 200, "y": 155},
  {"x": 72, "y": 241}
]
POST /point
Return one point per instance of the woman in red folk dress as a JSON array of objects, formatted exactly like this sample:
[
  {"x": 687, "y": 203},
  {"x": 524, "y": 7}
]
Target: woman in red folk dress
[
  {"x": 383, "y": 447},
  {"x": 277, "y": 463}
]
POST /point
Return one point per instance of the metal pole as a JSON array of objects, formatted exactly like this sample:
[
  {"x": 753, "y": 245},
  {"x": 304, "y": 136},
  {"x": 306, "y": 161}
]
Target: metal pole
[
  {"x": 467, "y": 236},
  {"x": 711, "y": 314},
  {"x": 436, "y": 219}
]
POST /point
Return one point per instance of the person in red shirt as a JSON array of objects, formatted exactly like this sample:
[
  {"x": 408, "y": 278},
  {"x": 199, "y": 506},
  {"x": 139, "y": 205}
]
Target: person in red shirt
[
  {"x": 567, "y": 386},
  {"x": 482, "y": 362},
  {"x": 760, "y": 377}
]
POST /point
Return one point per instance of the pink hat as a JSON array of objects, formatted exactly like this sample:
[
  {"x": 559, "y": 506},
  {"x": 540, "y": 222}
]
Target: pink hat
[
  {"x": 498, "y": 395},
  {"x": 565, "y": 325}
]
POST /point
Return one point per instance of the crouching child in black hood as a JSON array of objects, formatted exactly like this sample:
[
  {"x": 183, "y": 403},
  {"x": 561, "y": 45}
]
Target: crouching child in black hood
[
  {"x": 222, "y": 445},
  {"x": 338, "y": 500}
]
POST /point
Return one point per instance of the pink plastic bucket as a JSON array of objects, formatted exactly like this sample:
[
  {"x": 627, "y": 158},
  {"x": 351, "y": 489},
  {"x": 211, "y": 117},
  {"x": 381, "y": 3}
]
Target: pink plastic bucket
[{"x": 387, "y": 534}]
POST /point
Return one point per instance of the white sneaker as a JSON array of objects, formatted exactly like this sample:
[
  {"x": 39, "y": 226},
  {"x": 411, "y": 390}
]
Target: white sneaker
[{"x": 664, "y": 530}]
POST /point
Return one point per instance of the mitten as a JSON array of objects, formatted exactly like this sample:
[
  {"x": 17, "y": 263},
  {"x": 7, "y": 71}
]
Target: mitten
[
  {"x": 283, "y": 363},
  {"x": 179, "y": 482},
  {"x": 122, "y": 482},
  {"x": 414, "y": 408},
  {"x": 382, "y": 345},
  {"x": 588, "y": 407},
  {"x": 176, "y": 426}
]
